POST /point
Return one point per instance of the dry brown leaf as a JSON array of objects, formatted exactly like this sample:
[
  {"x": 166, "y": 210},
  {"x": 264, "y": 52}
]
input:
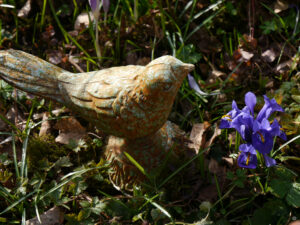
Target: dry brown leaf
[
  {"x": 66, "y": 138},
  {"x": 69, "y": 124},
  {"x": 213, "y": 166},
  {"x": 54, "y": 56},
  {"x": 215, "y": 76},
  {"x": 217, "y": 132},
  {"x": 69, "y": 129},
  {"x": 16, "y": 117},
  {"x": 284, "y": 67},
  {"x": 269, "y": 55},
  {"x": 197, "y": 136},
  {"x": 280, "y": 5},
  {"x": 246, "y": 56},
  {"x": 45, "y": 127},
  {"x": 3, "y": 125},
  {"x": 49, "y": 33},
  {"x": 228, "y": 160},
  {"x": 53, "y": 216},
  {"x": 23, "y": 13},
  {"x": 270, "y": 84},
  {"x": 231, "y": 138},
  {"x": 248, "y": 42},
  {"x": 6, "y": 140}
]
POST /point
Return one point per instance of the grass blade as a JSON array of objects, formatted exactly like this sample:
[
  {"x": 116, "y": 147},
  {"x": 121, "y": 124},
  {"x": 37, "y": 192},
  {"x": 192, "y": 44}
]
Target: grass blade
[
  {"x": 203, "y": 23},
  {"x": 18, "y": 202},
  {"x": 285, "y": 144},
  {"x": 5, "y": 194},
  {"x": 15, "y": 155},
  {"x": 73, "y": 176},
  {"x": 137, "y": 165},
  {"x": 24, "y": 217},
  {"x": 182, "y": 167},
  {"x": 24, "y": 153},
  {"x": 212, "y": 6},
  {"x": 187, "y": 6},
  {"x": 43, "y": 13},
  {"x": 9, "y": 123}
]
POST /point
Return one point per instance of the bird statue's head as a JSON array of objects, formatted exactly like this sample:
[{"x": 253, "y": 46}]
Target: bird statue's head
[
  {"x": 177, "y": 68},
  {"x": 161, "y": 80}
]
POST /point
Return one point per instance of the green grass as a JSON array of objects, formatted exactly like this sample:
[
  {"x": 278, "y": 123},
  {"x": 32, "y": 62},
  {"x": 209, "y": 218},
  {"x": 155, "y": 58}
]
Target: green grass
[{"x": 77, "y": 180}]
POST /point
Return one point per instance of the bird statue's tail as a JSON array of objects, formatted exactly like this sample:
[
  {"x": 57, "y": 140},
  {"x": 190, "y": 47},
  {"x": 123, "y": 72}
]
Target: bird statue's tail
[{"x": 30, "y": 74}]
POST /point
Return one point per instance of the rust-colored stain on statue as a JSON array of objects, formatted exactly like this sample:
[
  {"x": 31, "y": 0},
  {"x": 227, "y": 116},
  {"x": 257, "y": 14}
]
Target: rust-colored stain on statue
[{"x": 130, "y": 102}]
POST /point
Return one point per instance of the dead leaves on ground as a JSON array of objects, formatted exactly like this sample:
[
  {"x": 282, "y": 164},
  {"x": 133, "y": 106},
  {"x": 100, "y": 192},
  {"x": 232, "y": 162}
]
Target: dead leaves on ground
[
  {"x": 51, "y": 217},
  {"x": 69, "y": 130},
  {"x": 202, "y": 137}
]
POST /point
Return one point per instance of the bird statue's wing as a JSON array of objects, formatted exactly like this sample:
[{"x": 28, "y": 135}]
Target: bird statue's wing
[{"x": 99, "y": 89}]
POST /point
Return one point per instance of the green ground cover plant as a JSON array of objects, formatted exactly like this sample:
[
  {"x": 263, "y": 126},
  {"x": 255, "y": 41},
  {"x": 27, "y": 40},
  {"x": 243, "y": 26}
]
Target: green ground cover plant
[{"x": 237, "y": 47}]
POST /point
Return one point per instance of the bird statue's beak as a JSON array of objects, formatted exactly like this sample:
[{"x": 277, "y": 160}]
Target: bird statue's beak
[
  {"x": 184, "y": 70},
  {"x": 189, "y": 67}
]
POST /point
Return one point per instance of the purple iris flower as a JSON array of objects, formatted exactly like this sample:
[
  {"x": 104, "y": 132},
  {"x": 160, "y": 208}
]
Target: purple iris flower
[
  {"x": 243, "y": 123},
  {"x": 247, "y": 158},
  {"x": 269, "y": 161},
  {"x": 226, "y": 121},
  {"x": 258, "y": 133},
  {"x": 269, "y": 107}
]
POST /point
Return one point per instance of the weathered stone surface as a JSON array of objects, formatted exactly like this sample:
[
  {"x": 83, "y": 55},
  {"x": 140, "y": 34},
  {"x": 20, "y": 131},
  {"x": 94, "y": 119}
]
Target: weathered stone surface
[{"x": 130, "y": 102}]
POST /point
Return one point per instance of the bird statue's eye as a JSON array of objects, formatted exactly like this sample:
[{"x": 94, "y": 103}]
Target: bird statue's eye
[{"x": 167, "y": 86}]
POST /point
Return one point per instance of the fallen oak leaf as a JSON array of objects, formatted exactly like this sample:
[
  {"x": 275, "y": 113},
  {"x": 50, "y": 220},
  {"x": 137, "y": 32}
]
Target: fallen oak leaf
[
  {"x": 197, "y": 136},
  {"x": 69, "y": 130}
]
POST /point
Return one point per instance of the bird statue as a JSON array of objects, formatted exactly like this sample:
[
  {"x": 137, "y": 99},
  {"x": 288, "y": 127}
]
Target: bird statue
[{"x": 131, "y": 103}]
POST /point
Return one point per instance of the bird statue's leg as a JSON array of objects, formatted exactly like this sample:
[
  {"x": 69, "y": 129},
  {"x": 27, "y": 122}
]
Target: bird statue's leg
[{"x": 149, "y": 152}]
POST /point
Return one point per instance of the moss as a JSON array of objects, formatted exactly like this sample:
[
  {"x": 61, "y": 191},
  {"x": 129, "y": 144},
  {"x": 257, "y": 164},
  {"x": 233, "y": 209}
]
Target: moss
[{"x": 44, "y": 148}]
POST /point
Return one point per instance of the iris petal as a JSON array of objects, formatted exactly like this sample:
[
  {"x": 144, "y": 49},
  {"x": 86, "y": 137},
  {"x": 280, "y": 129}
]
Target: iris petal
[
  {"x": 275, "y": 130},
  {"x": 247, "y": 148},
  {"x": 247, "y": 160},
  {"x": 269, "y": 161},
  {"x": 243, "y": 123},
  {"x": 269, "y": 107},
  {"x": 250, "y": 100},
  {"x": 262, "y": 141},
  {"x": 193, "y": 84},
  {"x": 227, "y": 119}
]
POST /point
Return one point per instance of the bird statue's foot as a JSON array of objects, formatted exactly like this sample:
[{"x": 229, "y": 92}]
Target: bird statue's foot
[{"x": 149, "y": 152}]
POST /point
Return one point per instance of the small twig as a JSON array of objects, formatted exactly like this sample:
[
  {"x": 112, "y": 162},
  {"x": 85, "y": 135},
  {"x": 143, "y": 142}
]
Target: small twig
[
  {"x": 70, "y": 58},
  {"x": 251, "y": 17}
]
